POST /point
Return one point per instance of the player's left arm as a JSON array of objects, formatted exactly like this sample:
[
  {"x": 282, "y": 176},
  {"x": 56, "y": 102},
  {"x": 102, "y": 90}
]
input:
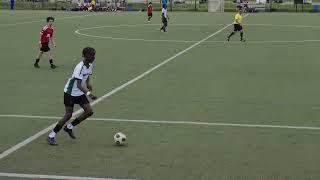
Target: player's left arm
[
  {"x": 52, "y": 39},
  {"x": 88, "y": 84}
]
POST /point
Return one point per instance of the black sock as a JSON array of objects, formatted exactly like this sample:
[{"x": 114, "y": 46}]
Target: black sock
[
  {"x": 51, "y": 61},
  {"x": 241, "y": 35},
  {"x": 57, "y": 128},
  {"x": 75, "y": 122},
  {"x": 231, "y": 35},
  {"x": 37, "y": 61}
]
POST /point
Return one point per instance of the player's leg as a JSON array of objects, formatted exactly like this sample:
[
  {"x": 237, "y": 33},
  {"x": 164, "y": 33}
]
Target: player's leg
[
  {"x": 162, "y": 28},
  {"x": 149, "y": 17},
  {"x": 67, "y": 116},
  {"x": 165, "y": 25},
  {"x": 233, "y": 32},
  {"x": 11, "y": 6},
  {"x": 84, "y": 103},
  {"x": 69, "y": 102},
  {"x": 39, "y": 55},
  {"x": 51, "y": 60},
  {"x": 241, "y": 33}
]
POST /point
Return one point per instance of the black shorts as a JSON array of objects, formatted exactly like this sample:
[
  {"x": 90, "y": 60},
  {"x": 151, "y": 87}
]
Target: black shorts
[
  {"x": 70, "y": 101},
  {"x": 45, "y": 47},
  {"x": 149, "y": 14},
  {"x": 237, "y": 27}
]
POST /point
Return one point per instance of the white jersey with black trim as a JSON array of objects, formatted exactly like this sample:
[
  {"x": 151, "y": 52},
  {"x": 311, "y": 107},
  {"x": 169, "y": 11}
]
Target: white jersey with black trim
[
  {"x": 80, "y": 72},
  {"x": 164, "y": 12}
]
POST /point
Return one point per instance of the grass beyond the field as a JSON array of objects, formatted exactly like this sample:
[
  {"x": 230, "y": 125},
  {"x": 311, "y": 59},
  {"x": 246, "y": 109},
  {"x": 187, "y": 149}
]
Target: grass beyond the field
[{"x": 272, "y": 79}]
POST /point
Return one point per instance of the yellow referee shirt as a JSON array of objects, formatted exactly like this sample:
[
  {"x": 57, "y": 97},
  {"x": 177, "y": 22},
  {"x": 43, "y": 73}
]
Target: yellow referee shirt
[{"x": 238, "y": 18}]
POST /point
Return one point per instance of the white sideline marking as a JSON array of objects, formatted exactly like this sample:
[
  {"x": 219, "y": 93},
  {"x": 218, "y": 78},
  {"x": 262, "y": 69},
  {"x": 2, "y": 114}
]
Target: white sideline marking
[
  {"x": 264, "y": 42},
  {"x": 46, "y": 130},
  {"x": 40, "y": 176},
  {"x": 284, "y": 25},
  {"x": 174, "y": 122},
  {"x": 187, "y": 41},
  {"x": 29, "y": 22}
]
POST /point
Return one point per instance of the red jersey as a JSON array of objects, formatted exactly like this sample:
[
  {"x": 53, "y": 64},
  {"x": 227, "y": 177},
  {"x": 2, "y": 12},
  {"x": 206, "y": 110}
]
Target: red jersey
[
  {"x": 46, "y": 33},
  {"x": 149, "y": 9}
]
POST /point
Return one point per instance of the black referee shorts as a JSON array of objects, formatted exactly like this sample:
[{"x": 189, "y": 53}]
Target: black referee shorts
[{"x": 237, "y": 27}]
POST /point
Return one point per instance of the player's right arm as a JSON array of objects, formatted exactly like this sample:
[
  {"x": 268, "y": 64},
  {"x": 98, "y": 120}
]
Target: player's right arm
[{"x": 40, "y": 35}]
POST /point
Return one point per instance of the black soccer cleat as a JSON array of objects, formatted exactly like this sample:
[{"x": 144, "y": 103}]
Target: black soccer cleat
[
  {"x": 228, "y": 39},
  {"x": 70, "y": 132},
  {"x": 36, "y": 65},
  {"x": 52, "y": 141},
  {"x": 53, "y": 66}
]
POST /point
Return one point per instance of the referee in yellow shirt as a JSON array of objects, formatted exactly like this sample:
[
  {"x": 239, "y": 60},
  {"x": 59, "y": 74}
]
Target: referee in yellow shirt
[{"x": 237, "y": 26}]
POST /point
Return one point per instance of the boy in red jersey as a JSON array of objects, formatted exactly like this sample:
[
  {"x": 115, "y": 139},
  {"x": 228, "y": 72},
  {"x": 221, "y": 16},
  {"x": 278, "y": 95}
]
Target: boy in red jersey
[
  {"x": 149, "y": 11},
  {"x": 46, "y": 35}
]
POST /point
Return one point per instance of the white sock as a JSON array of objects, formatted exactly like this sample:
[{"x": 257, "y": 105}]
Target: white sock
[
  {"x": 52, "y": 134},
  {"x": 69, "y": 126}
]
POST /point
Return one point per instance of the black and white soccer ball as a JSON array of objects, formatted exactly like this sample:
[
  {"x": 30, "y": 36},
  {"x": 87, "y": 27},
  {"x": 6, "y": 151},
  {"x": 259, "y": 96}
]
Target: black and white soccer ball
[{"x": 120, "y": 139}]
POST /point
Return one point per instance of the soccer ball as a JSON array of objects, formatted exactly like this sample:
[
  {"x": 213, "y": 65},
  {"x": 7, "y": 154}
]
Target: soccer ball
[{"x": 120, "y": 138}]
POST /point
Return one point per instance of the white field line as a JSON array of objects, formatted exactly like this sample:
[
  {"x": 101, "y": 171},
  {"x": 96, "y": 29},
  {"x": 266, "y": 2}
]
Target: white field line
[
  {"x": 268, "y": 42},
  {"x": 46, "y": 130},
  {"x": 284, "y": 25},
  {"x": 192, "y": 41},
  {"x": 40, "y": 176},
  {"x": 188, "y": 41},
  {"x": 146, "y": 25},
  {"x": 173, "y": 122},
  {"x": 29, "y": 22}
]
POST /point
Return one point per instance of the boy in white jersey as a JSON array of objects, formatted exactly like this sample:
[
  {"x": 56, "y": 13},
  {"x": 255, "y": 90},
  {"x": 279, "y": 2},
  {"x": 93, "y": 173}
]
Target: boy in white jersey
[
  {"x": 75, "y": 92},
  {"x": 164, "y": 18}
]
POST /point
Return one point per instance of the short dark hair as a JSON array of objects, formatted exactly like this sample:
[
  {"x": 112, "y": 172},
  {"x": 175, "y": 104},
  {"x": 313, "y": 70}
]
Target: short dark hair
[
  {"x": 50, "y": 18},
  {"x": 88, "y": 50}
]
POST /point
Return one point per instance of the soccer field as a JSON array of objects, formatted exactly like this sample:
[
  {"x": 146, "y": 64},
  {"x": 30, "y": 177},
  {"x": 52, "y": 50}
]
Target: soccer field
[{"x": 193, "y": 106}]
